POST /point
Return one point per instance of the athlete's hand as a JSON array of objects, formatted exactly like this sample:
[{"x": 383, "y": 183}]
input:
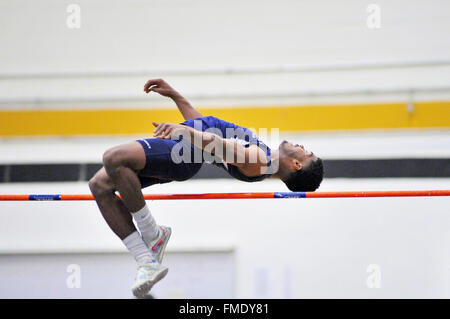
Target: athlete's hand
[
  {"x": 166, "y": 130},
  {"x": 159, "y": 86}
]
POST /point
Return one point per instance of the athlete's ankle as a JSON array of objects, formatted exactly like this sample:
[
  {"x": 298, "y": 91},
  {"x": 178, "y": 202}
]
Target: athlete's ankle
[{"x": 146, "y": 224}]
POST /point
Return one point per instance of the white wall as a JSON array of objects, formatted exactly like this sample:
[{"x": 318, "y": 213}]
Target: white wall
[
  {"x": 110, "y": 275},
  {"x": 201, "y": 33},
  {"x": 129, "y": 36}
]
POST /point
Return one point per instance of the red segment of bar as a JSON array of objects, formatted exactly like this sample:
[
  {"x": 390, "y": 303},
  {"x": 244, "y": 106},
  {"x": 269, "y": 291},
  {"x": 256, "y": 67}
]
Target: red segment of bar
[
  {"x": 208, "y": 196},
  {"x": 77, "y": 197},
  {"x": 378, "y": 194},
  {"x": 14, "y": 197}
]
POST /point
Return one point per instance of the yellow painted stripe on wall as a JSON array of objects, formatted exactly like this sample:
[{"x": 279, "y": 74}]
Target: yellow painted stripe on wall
[
  {"x": 286, "y": 118},
  {"x": 82, "y": 122}
]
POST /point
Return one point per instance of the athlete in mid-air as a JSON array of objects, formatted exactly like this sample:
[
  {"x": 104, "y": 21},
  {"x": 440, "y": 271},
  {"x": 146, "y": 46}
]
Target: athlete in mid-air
[{"x": 176, "y": 153}]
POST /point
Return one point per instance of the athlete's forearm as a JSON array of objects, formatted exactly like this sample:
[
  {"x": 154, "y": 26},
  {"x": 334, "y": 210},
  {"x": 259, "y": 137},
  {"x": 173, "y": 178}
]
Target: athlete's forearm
[
  {"x": 185, "y": 107},
  {"x": 162, "y": 87},
  {"x": 232, "y": 152},
  {"x": 227, "y": 150},
  {"x": 202, "y": 140}
]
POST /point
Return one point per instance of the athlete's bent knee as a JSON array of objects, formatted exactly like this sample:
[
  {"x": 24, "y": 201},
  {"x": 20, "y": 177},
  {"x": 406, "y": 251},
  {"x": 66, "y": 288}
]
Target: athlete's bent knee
[
  {"x": 98, "y": 187},
  {"x": 113, "y": 158}
]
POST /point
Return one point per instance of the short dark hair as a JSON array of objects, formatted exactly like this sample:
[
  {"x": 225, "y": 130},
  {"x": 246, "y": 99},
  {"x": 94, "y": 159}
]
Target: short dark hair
[{"x": 306, "y": 179}]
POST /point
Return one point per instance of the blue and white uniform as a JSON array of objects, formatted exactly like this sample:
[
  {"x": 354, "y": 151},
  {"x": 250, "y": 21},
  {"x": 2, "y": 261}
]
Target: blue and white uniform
[{"x": 160, "y": 168}]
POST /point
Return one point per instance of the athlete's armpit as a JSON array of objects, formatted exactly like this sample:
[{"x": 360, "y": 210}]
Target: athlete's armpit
[{"x": 257, "y": 162}]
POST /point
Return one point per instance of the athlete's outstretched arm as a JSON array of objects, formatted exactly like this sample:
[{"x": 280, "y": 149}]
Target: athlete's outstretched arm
[
  {"x": 160, "y": 86},
  {"x": 251, "y": 160}
]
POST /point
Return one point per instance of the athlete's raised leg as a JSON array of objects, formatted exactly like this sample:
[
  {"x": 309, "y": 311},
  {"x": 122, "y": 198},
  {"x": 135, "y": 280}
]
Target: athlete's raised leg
[{"x": 121, "y": 165}]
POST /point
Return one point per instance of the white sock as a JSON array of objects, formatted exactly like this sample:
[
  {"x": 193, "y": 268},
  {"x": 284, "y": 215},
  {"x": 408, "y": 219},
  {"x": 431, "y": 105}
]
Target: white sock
[
  {"x": 146, "y": 224},
  {"x": 135, "y": 244}
]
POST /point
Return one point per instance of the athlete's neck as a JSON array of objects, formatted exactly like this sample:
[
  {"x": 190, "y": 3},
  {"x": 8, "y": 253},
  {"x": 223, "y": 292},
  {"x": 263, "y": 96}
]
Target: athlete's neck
[{"x": 275, "y": 162}]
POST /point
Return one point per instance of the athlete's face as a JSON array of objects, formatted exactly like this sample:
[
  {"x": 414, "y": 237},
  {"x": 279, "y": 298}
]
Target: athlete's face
[{"x": 297, "y": 153}]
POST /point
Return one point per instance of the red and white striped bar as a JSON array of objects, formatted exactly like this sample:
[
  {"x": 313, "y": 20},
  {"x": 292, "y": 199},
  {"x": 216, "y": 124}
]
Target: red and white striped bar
[{"x": 255, "y": 195}]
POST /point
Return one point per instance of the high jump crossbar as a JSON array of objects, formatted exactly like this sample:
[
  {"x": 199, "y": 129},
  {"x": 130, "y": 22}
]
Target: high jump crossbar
[{"x": 254, "y": 195}]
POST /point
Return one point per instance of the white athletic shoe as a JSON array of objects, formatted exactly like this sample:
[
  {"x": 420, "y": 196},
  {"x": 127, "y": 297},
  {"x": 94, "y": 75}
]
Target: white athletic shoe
[
  {"x": 158, "y": 245},
  {"x": 148, "y": 275}
]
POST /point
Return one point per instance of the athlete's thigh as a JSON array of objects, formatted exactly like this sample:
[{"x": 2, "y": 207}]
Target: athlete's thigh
[
  {"x": 131, "y": 154},
  {"x": 169, "y": 160},
  {"x": 102, "y": 179}
]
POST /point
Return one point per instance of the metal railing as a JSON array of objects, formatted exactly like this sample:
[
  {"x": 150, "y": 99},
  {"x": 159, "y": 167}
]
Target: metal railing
[
  {"x": 408, "y": 92},
  {"x": 243, "y": 70}
]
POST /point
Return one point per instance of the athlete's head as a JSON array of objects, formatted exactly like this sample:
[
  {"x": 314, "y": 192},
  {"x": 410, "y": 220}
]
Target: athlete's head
[{"x": 301, "y": 170}]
